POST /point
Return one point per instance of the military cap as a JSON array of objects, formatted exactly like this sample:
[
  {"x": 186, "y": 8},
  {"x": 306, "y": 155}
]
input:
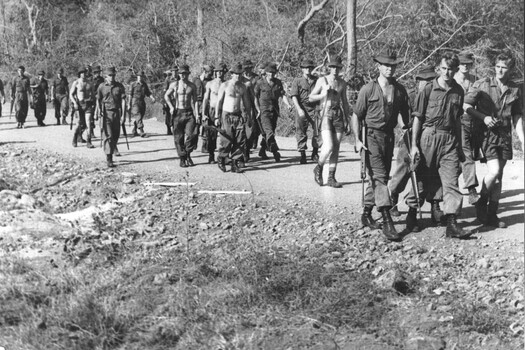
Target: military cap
[
  {"x": 387, "y": 57},
  {"x": 207, "y": 68},
  {"x": 97, "y": 69},
  {"x": 466, "y": 58},
  {"x": 111, "y": 71},
  {"x": 60, "y": 71},
  {"x": 307, "y": 64},
  {"x": 236, "y": 69},
  {"x": 184, "y": 69},
  {"x": 41, "y": 73},
  {"x": 336, "y": 61},
  {"x": 220, "y": 67},
  {"x": 22, "y": 67},
  {"x": 247, "y": 64},
  {"x": 82, "y": 70},
  {"x": 427, "y": 72},
  {"x": 271, "y": 68}
]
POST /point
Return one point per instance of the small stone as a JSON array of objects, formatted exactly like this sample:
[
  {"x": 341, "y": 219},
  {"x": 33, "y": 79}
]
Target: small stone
[
  {"x": 425, "y": 343},
  {"x": 203, "y": 226},
  {"x": 482, "y": 263}
]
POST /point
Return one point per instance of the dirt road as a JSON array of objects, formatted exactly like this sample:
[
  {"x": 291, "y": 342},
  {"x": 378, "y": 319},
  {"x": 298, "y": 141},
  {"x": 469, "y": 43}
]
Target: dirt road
[{"x": 156, "y": 155}]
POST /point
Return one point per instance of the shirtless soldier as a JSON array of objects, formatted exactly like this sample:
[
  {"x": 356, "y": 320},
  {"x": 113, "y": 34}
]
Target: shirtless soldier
[
  {"x": 209, "y": 104},
  {"x": 229, "y": 115},
  {"x": 81, "y": 95},
  {"x": 331, "y": 91},
  {"x": 184, "y": 113}
]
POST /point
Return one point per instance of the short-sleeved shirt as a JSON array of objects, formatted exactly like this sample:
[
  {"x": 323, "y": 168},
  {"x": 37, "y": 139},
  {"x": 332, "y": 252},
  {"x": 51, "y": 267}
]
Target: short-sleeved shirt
[
  {"x": 488, "y": 99},
  {"x": 60, "y": 86},
  {"x": 111, "y": 95},
  {"x": 439, "y": 107},
  {"x": 268, "y": 94},
  {"x": 371, "y": 106},
  {"x": 138, "y": 92},
  {"x": 40, "y": 89},
  {"x": 201, "y": 87},
  {"x": 301, "y": 88},
  {"x": 20, "y": 85}
]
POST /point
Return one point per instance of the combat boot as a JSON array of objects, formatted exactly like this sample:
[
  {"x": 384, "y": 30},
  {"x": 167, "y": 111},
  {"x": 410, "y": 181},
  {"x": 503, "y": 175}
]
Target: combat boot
[
  {"x": 453, "y": 230},
  {"x": 331, "y": 181},
  {"x": 189, "y": 161},
  {"x": 64, "y": 121},
  {"x": 473, "y": 195},
  {"x": 262, "y": 154},
  {"x": 235, "y": 167},
  {"x": 142, "y": 133},
  {"x": 437, "y": 215},
  {"x": 492, "y": 218},
  {"x": 315, "y": 155},
  {"x": 134, "y": 132},
  {"x": 303, "y": 158},
  {"x": 168, "y": 132},
  {"x": 367, "y": 219},
  {"x": 318, "y": 174},
  {"x": 183, "y": 163},
  {"x": 75, "y": 138},
  {"x": 221, "y": 162},
  {"x": 395, "y": 211},
  {"x": 89, "y": 144},
  {"x": 109, "y": 161},
  {"x": 277, "y": 156},
  {"x": 211, "y": 158},
  {"x": 481, "y": 207},
  {"x": 58, "y": 121},
  {"x": 388, "y": 226},
  {"x": 411, "y": 220}
]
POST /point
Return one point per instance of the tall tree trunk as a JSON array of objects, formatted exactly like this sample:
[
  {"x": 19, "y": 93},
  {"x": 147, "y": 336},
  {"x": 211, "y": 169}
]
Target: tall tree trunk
[
  {"x": 200, "y": 34},
  {"x": 351, "y": 36},
  {"x": 32, "y": 13}
]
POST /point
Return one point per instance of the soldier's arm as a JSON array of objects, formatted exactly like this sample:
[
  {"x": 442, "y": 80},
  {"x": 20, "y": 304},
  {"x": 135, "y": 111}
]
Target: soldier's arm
[
  {"x": 346, "y": 107},
  {"x": 517, "y": 119},
  {"x": 195, "y": 104},
  {"x": 220, "y": 101},
  {"x": 257, "y": 94},
  {"x": 205, "y": 101},
  {"x": 123, "y": 104},
  {"x": 247, "y": 107},
  {"x": 167, "y": 96},
  {"x": 53, "y": 88},
  {"x": 148, "y": 93},
  {"x": 13, "y": 88},
  {"x": 73, "y": 94},
  {"x": 319, "y": 92}
]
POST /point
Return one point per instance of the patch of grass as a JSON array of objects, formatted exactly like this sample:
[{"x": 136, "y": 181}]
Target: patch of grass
[{"x": 480, "y": 318}]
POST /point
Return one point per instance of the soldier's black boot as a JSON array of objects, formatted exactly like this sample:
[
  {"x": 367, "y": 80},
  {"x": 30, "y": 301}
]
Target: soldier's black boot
[
  {"x": 221, "y": 162},
  {"x": 367, "y": 219},
  {"x": 303, "y": 158},
  {"x": 75, "y": 138},
  {"x": 473, "y": 195},
  {"x": 109, "y": 161},
  {"x": 389, "y": 231},
  {"x": 277, "y": 156},
  {"x": 331, "y": 181},
  {"x": 453, "y": 230},
  {"x": 64, "y": 121},
  {"x": 411, "y": 220},
  {"x": 134, "y": 130},
  {"x": 189, "y": 161},
  {"x": 262, "y": 154},
  {"x": 492, "y": 218},
  {"x": 318, "y": 174},
  {"x": 315, "y": 155},
  {"x": 211, "y": 157},
  {"x": 58, "y": 121},
  {"x": 183, "y": 163},
  {"x": 394, "y": 211},
  {"x": 481, "y": 207},
  {"x": 235, "y": 167},
  {"x": 437, "y": 215},
  {"x": 142, "y": 133},
  {"x": 168, "y": 132},
  {"x": 89, "y": 144}
]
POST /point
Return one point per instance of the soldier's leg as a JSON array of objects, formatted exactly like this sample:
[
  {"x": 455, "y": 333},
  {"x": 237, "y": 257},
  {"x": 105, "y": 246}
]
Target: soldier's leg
[
  {"x": 266, "y": 124},
  {"x": 301, "y": 127},
  {"x": 191, "y": 136},
  {"x": 90, "y": 121},
  {"x": 401, "y": 175},
  {"x": 178, "y": 135},
  {"x": 239, "y": 144},
  {"x": 56, "y": 106},
  {"x": 469, "y": 165},
  {"x": 81, "y": 124},
  {"x": 64, "y": 107}
]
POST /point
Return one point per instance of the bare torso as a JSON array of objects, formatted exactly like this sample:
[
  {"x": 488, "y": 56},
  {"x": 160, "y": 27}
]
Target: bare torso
[
  {"x": 82, "y": 89},
  {"x": 233, "y": 93},
  {"x": 214, "y": 86},
  {"x": 337, "y": 87},
  {"x": 184, "y": 91}
]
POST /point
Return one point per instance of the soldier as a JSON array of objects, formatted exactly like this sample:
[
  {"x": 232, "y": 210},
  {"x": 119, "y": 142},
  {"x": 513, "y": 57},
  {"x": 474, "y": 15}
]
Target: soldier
[
  {"x": 137, "y": 103},
  {"x": 306, "y": 110},
  {"x": 498, "y": 102},
  {"x": 21, "y": 96},
  {"x": 81, "y": 96},
  {"x": 470, "y": 129},
  {"x": 111, "y": 102},
  {"x": 209, "y": 105},
  {"x": 200, "y": 85},
  {"x": 378, "y": 105},
  {"x": 249, "y": 79},
  {"x": 96, "y": 80},
  {"x": 335, "y": 120},
  {"x": 60, "y": 95},
  {"x": 437, "y": 113},
  {"x": 228, "y": 115},
  {"x": 40, "y": 89},
  {"x": 184, "y": 113},
  {"x": 268, "y": 91},
  {"x": 3, "y": 95},
  {"x": 171, "y": 75}
]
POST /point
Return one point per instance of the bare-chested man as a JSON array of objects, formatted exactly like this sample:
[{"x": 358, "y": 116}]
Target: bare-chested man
[
  {"x": 229, "y": 115},
  {"x": 331, "y": 91},
  {"x": 184, "y": 113},
  {"x": 82, "y": 97},
  {"x": 209, "y": 104}
]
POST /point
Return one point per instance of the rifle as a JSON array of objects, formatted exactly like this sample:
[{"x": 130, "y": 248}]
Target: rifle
[
  {"x": 413, "y": 167},
  {"x": 124, "y": 132},
  {"x": 72, "y": 117}
]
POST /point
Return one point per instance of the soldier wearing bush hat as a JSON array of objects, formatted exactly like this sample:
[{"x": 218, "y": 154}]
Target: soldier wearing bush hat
[
  {"x": 249, "y": 78},
  {"x": 111, "y": 103},
  {"x": 171, "y": 75},
  {"x": 40, "y": 96},
  {"x": 200, "y": 83},
  {"x": 268, "y": 91},
  {"x": 138, "y": 92},
  {"x": 21, "y": 95},
  {"x": 307, "y": 113},
  {"x": 181, "y": 98},
  {"x": 378, "y": 104}
]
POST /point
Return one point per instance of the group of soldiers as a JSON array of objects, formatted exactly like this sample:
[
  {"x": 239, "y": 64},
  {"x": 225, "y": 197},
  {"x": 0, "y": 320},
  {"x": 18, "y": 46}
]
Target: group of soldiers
[{"x": 450, "y": 120}]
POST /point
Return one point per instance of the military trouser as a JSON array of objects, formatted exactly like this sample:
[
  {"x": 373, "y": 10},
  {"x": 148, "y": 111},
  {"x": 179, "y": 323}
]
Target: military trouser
[
  {"x": 184, "y": 131},
  {"x": 301, "y": 127},
  {"x": 471, "y": 137},
  {"x": 440, "y": 162},
  {"x": 40, "y": 109},
  {"x": 110, "y": 129},
  {"x": 61, "y": 104},
  {"x": 252, "y": 134},
  {"x": 380, "y": 146},
  {"x": 210, "y": 135},
  {"x": 269, "y": 124},
  {"x": 168, "y": 119},
  {"x": 21, "y": 108},
  {"x": 233, "y": 144},
  {"x": 137, "y": 113}
]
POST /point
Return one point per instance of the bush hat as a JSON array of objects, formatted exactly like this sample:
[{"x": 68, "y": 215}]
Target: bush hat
[
  {"x": 97, "y": 69},
  {"x": 387, "y": 57},
  {"x": 236, "y": 69},
  {"x": 427, "y": 72},
  {"x": 337, "y": 61},
  {"x": 60, "y": 71},
  {"x": 41, "y": 73},
  {"x": 466, "y": 58},
  {"x": 271, "y": 68},
  {"x": 111, "y": 71},
  {"x": 184, "y": 69},
  {"x": 307, "y": 64},
  {"x": 247, "y": 64}
]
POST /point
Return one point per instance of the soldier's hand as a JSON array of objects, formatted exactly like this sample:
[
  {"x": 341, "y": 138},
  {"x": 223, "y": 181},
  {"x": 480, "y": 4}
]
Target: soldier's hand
[
  {"x": 490, "y": 122},
  {"x": 172, "y": 109},
  {"x": 414, "y": 155},
  {"x": 153, "y": 99},
  {"x": 301, "y": 113},
  {"x": 461, "y": 155},
  {"x": 359, "y": 146},
  {"x": 217, "y": 122}
]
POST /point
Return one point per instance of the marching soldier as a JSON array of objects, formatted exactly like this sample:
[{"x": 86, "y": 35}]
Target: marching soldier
[
  {"x": 171, "y": 75},
  {"x": 209, "y": 105},
  {"x": 21, "y": 96},
  {"x": 111, "y": 106},
  {"x": 498, "y": 103},
  {"x": 60, "y": 95},
  {"x": 249, "y": 78},
  {"x": 377, "y": 108},
  {"x": 137, "y": 104},
  {"x": 81, "y": 96},
  {"x": 436, "y": 137},
  {"x": 40, "y": 96},
  {"x": 200, "y": 85}
]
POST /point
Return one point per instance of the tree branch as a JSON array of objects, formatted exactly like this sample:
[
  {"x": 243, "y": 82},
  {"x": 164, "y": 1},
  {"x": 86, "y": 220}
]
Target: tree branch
[{"x": 302, "y": 24}]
